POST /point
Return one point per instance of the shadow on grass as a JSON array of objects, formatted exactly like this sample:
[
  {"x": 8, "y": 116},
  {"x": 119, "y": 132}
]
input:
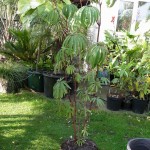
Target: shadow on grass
[{"x": 41, "y": 129}]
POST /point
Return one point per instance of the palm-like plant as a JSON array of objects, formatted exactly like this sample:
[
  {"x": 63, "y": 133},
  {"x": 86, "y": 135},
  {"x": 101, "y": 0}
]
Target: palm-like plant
[
  {"x": 77, "y": 51},
  {"x": 70, "y": 24},
  {"x": 24, "y": 47}
]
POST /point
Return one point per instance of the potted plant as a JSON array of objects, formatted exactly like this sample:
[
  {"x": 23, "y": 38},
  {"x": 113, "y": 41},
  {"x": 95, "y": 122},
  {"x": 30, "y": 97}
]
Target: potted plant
[
  {"x": 141, "y": 70},
  {"x": 75, "y": 52},
  {"x": 42, "y": 17},
  {"x": 142, "y": 86},
  {"x": 119, "y": 69},
  {"x": 129, "y": 64},
  {"x": 24, "y": 48},
  {"x": 32, "y": 47}
]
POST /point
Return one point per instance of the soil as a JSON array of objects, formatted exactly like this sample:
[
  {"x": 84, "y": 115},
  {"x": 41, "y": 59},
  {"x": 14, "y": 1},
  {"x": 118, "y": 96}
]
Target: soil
[{"x": 71, "y": 145}]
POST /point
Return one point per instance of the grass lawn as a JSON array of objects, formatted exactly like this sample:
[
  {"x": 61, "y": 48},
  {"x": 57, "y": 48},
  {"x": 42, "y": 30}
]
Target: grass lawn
[{"x": 29, "y": 121}]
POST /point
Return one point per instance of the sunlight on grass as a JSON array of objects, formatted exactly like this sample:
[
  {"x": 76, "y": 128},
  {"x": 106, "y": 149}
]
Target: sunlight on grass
[
  {"x": 30, "y": 121},
  {"x": 12, "y": 133},
  {"x": 49, "y": 143}
]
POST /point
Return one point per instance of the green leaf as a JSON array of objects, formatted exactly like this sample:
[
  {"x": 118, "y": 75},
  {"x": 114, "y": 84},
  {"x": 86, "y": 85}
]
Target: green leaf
[
  {"x": 115, "y": 81},
  {"x": 84, "y": 132},
  {"x": 25, "y": 5},
  {"x": 94, "y": 87},
  {"x": 78, "y": 77},
  {"x": 88, "y": 15},
  {"x": 70, "y": 69},
  {"x": 76, "y": 43},
  {"x": 60, "y": 89},
  {"x": 110, "y": 3},
  {"x": 99, "y": 102},
  {"x": 67, "y": 2},
  {"x": 104, "y": 80},
  {"x": 96, "y": 55},
  {"x": 69, "y": 10}
]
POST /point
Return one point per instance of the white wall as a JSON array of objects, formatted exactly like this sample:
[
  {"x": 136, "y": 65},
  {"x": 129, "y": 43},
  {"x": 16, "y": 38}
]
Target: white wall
[{"x": 106, "y": 18}]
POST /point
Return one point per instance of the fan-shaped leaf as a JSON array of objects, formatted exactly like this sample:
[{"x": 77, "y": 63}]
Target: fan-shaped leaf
[
  {"x": 76, "y": 42},
  {"x": 96, "y": 55},
  {"x": 69, "y": 10},
  {"x": 88, "y": 15},
  {"x": 60, "y": 89},
  {"x": 70, "y": 69}
]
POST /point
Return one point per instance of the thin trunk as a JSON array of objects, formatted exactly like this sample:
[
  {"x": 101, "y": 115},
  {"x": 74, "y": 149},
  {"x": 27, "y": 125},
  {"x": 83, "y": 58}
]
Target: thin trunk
[
  {"x": 75, "y": 111},
  {"x": 99, "y": 22},
  {"x": 38, "y": 55},
  {"x": 87, "y": 115}
]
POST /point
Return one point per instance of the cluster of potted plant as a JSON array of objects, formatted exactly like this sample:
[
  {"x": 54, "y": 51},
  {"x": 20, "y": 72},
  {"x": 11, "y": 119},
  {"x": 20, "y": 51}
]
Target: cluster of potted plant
[
  {"x": 60, "y": 29},
  {"x": 130, "y": 66}
]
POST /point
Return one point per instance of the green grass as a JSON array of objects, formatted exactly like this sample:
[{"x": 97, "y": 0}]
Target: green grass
[{"x": 29, "y": 121}]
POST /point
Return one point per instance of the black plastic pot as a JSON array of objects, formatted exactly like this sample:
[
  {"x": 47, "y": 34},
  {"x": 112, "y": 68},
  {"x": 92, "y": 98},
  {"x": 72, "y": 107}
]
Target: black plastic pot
[
  {"x": 114, "y": 103},
  {"x": 36, "y": 81},
  {"x": 126, "y": 104},
  {"x": 49, "y": 81},
  {"x": 139, "y": 106},
  {"x": 139, "y": 144}
]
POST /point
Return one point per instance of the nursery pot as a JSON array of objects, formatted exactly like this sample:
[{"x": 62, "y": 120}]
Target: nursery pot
[
  {"x": 139, "y": 144},
  {"x": 114, "y": 103},
  {"x": 139, "y": 106},
  {"x": 127, "y": 104},
  {"x": 49, "y": 81},
  {"x": 35, "y": 81}
]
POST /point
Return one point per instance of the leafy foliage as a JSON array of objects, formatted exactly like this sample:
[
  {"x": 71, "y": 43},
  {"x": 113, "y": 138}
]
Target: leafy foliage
[
  {"x": 129, "y": 64},
  {"x": 60, "y": 89},
  {"x": 76, "y": 42},
  {"x": 96, "y": 54},
  {"x": 70, "y": 25},
  {"x": 23, "y": 48},
  {"x": 88, "y": 15},
  {"x": 69, "y": 10},
  {"x": 14, "y": 73}
]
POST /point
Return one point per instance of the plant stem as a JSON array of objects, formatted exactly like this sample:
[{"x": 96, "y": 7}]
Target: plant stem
[
  {"x": 75, "y": 110},
  {"x": 38, "y": 55},
  {"x": 99, "y": 22}
]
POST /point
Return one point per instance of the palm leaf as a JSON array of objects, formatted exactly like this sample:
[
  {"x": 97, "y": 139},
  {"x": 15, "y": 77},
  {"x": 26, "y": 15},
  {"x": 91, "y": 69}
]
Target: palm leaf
[
  {"x": 96, "y": 55},
  {"x": 76, "y": 42},
  {"x": 69, "y": 10},
  {"x": 88, "y": 15}
]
